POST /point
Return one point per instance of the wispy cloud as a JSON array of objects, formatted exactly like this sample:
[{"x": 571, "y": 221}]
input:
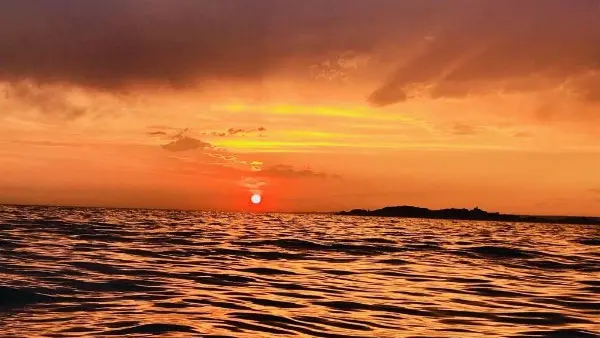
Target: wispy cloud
[
  {"x": 287, "y": 171},
  {"x": 235, "y": 131},
  {"x": 523, "y": 134},
  {"x": 45, "y": 100},
  {"x": 463, "y": 129},
  {"x": 253, "y": 184},
  {"x": 256, "y": 165},
  {"x": 182, "y": 141},
  {"x": 157, "y": 133},
  {"x": 260, "y": 177},
  {"x": 185, "y": 143},
  {"x": 50, "y": 143}
]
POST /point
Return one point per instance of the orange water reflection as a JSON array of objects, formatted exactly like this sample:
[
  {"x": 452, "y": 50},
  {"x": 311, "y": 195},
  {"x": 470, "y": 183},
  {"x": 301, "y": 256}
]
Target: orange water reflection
[{"x": 96, "y": 272}]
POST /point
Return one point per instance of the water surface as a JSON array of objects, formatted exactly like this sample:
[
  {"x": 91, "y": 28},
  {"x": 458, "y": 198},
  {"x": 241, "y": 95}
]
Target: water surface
[{"x": 76, "y": 272}]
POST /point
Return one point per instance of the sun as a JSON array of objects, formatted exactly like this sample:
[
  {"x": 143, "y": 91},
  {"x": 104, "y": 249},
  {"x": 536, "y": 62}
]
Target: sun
[{"x": 256, "y": 199}]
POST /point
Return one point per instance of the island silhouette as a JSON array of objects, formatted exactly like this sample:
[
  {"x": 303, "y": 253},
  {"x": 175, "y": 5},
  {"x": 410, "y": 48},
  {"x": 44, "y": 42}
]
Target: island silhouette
[{"x": 475, "y": 214}]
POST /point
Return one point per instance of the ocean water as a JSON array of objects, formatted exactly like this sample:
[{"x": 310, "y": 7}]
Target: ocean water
[{"x": 75, "y": 272}]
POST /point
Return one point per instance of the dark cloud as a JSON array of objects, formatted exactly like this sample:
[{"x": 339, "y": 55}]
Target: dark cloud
[
  {"x": 113, "y": 43},
  {"x": 595, "y": 190},
  {"x": 456, "y": 47},
  {"x": 389, "y": 93},
  {"x": 287, "y": 171},
  {"x": 162, "y": 132},
  {"x": 185, "y": 143},
  {"x": 493, "y": 45},
  {"x": 235, "y": 131}
]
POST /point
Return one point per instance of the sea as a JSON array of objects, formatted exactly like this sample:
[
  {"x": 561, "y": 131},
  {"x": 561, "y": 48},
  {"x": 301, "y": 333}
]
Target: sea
[{"x": 93, "y": 272}]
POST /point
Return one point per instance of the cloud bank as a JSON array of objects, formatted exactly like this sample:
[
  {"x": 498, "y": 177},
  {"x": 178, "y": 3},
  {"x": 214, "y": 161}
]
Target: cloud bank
[
  {"x": 451, "y": 48},
  {"x": 114, "y": 43},
  {"x": 505, "y": 46}
]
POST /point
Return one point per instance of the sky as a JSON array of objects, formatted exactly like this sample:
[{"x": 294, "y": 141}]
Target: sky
[{"x": 317, "y": 105}]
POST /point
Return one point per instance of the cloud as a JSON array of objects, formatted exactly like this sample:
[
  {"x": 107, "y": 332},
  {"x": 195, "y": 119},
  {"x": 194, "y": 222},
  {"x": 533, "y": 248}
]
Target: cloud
[
  {"x": 180, "y": 133},
  {"x": 259, "y": 177},
  {"x": 463, "y": 129},
  {"x": 506, "y": 46},
  {"x": 253, "y": 184},
  {"x": 588, "y": 86},
  {"x": 339, "y": 68},
  {"x": 177, "y": 134},
  {"x": 523, "y": 134},
  {"x": 235, "y": 131},
  {"x": 287, "y": 171},
  {"x": 50, "y": 144},
  {"x": 215, "y": 134},
  {"x": 256, "y": 165},
  {"x": 595, "y": 190},
  {"x": 445, "y": 49},
  {"x": 387, "y": 94},
  {"x": 111, "y": 44},
  {"x": 44, "y": 100},
  {"x": 185, "y": 143}
]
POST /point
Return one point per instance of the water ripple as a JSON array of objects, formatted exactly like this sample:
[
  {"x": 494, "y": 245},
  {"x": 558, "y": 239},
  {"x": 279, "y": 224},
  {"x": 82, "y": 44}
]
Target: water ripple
[{"x": 78, "y": 272}]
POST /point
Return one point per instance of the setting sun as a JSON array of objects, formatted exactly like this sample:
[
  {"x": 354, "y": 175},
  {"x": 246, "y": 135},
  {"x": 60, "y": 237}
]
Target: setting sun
[{"x": 256, "y": 199}]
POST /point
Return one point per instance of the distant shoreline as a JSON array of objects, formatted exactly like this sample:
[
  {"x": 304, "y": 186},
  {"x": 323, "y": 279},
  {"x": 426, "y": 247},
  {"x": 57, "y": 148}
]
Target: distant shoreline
[
  {"x": 397, "y": 211},
  {"x": 475, "y": 214}
]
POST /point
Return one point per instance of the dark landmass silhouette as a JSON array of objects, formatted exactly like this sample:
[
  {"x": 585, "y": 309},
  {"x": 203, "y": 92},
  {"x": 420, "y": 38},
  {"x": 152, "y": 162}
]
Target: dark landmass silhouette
[{"x": 475, "y": 214}]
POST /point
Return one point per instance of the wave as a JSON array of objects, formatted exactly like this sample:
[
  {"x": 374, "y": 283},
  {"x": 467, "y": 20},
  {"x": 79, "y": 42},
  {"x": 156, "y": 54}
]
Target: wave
[
  {"x": 153, "y": 329},
  {"x": 267, "y": 271},
  {"x": 589, "y": 241},
  {"x": 102, "y": 272},
  {"x": 558, "y": 333},
  {"x": 21, "y": 297},
  {"x": 491, "y": 251},
  {"x": 357, "y": 249}
]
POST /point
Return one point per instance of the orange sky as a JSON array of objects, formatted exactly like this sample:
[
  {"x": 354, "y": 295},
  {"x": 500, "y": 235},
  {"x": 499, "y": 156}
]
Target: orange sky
[{"x": 317, "y": 105}]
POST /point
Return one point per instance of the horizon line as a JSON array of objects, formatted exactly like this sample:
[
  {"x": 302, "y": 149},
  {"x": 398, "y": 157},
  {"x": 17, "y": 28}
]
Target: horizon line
[{"x": 271, "y": 211}]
